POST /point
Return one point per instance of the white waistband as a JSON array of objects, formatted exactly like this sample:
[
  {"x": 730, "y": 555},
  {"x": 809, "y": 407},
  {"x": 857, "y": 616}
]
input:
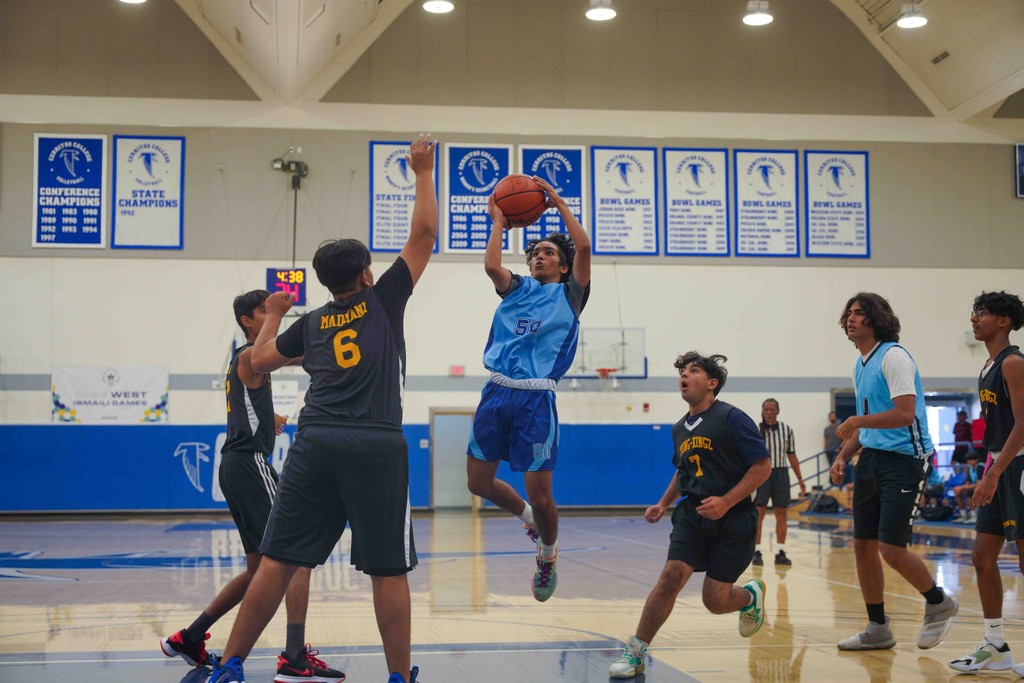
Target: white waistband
[{"x": 528, "y": 384}]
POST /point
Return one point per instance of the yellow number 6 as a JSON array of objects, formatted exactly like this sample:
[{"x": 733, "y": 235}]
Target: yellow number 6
[{"x": 346, "y": 353}]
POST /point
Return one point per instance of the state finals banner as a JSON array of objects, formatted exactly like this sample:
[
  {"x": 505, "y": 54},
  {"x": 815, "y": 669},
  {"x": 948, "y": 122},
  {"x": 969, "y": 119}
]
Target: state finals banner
[
  {"x": 564, "y": 168},
  {"x": 149, "y": 180},
  {"x": 70, "y": 178},
  {"x": 837, "y": 204},
  {"x": 472, "y": 172},
  {"x": 109, "y": 395},
  {"x": 392, "y": 195}
]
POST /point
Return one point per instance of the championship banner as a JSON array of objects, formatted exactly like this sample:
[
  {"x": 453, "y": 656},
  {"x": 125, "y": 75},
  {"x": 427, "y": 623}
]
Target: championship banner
[
  {"x": 392, "y": 195},
  {"x": 696, "y": 202},
  {"x": 70, "y": 189},
  {"x": 624, "y": 183},
  {"x": 149, "y": 183},
  {"x": 472, "y": 172},
  {"x": 109, "y": 395},
  {"x": 836, "y": 204},
  {"x": 563, "y": 167},
  {"x": 766, "y": 202}
]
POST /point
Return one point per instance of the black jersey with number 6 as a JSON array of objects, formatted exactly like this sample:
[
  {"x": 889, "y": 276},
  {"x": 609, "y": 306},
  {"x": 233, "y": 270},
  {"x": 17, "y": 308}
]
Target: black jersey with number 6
[
  {"x": 354, "y": 352},
  {"x": 995, "y": 401}
]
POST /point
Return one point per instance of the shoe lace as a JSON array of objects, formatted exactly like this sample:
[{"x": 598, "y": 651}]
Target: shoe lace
[
  {"x": 311, "y": 657},
  {"x": 532, "y": 533},
  {"x": 544, "y": 568}
]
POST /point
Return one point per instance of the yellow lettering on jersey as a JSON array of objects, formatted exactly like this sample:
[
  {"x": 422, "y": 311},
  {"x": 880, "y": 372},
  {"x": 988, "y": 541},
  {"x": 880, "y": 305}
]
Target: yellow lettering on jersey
[
  {"x": 695, "y": 442},
  {"x": 987, "y": 396},
  {"x": 342, "y": 319}
]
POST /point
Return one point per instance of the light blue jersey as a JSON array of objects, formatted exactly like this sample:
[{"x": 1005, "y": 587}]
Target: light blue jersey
[
  {"x": 873, "y": 398},
  {"x": 535, "y": 329}
]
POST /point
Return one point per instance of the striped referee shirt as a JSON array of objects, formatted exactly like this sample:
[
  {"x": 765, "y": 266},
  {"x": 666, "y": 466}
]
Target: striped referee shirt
[{"x": 778, "y": 439}]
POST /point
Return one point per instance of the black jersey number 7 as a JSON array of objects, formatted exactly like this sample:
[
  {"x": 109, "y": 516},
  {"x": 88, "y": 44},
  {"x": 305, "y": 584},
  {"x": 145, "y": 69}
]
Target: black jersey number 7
[{"x": 346, "y": 353}]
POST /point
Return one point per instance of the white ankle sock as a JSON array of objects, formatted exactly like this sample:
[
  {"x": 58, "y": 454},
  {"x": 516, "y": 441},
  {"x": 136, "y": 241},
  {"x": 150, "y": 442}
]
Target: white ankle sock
[
  {"x": 548, "y": 552},
  {"x": 526, "y": 516},
  {"x": 994, "y": 632},
  {"x": 780, "y": 548},
  {"x": 757, "y": 548}
]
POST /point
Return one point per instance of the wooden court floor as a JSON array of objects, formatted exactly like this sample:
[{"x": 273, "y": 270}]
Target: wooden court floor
[{"x": 89, "y": 600}]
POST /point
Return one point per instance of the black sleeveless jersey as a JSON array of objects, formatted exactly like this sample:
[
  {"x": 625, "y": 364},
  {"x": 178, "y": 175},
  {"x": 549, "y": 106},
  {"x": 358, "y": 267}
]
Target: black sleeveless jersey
[
  {"x": 714, "y": 450},
  {"x": 354, "y": 352},
  {"x": 250, "y": 413},
  {"x": 995, "y": 402}
]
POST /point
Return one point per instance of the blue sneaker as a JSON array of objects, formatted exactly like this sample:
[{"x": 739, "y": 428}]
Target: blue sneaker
[
  {"x": 228, "y": 672},
  {"x": 397, "y": 678}
]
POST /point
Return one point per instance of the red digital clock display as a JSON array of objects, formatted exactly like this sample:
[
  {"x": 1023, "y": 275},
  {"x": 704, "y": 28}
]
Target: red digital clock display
[{"x": 290, "y": 280}]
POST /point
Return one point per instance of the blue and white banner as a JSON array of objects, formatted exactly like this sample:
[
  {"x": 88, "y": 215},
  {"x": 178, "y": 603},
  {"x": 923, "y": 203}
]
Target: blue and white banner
[
  {"x": 625, "y": 196},
  {"x": 563, "y": 167},
  {"x": 109, "y": 394},
  {"x": 472, "y": 171},
  {"x": 837, "y": 204},
  {"x": 149, "y": 186},
  {"x": 767, "y": 222},
  {"x": 392, "y": 195},
  {"x": 696, "y": 202},
  {"x": 70, "y": 190}
]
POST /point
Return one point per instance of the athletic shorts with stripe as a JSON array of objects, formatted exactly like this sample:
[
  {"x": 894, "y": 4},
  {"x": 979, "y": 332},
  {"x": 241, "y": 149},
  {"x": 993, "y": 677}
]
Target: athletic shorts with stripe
[
  {"x": 336, "y": 475},
  {"x": 517, "y": 425},
  {"x": 248, "y": 483},
  {"x": 888, "y": 486},
  {"x": 1004, "y": 516}
]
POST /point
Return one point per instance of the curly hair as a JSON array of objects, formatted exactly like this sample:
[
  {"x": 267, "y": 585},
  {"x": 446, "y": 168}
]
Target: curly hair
[
  {"x": 1002, "y": 303},
  {"x": 879, "y": 314},
  {"x": 712, "y": 365},
  {"x": 566, "y": 251}
]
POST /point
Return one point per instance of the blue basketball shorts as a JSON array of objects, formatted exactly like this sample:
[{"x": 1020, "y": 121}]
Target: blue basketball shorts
[{"x": 517, "y": 425}]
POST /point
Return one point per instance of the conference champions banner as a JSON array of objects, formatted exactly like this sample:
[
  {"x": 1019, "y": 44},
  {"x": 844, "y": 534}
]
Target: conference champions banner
[
  {"x": 625, "y": 199},
  {"x": 767, "y": 222},
  {"x": 149, "y": 180},
  {"x": 564, "y": 168},
  {"x": 696, "y": 202},
  {"x": 837, "y": 204},
  {"x": 472, "y": 172},
  {"x": 70, "y": 190},
  {"x": 109, "y": 395},
  {"x": 392, "y": 195}
]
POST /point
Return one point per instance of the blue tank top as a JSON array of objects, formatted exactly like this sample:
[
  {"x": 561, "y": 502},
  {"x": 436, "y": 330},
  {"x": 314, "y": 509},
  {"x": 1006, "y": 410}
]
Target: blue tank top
[{"x": 873, "y": 398}]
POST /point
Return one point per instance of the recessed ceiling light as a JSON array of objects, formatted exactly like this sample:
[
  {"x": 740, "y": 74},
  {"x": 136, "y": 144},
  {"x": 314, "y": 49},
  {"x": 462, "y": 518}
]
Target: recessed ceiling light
[
  {"x": 600, "y": 10},
  {"x": 757, "y": 13},
  {"x": 438, "y": 6}
]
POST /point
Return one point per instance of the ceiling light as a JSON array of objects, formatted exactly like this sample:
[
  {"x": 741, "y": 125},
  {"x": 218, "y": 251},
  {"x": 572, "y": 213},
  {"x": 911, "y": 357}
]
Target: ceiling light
[
  {"x": 757, "y": 13},
  {"x": 133, "y": 2},
  {"x": 600, "y": 10},
  {"x": 910, "y": 16},
  {"x": 438, "y": 6}
]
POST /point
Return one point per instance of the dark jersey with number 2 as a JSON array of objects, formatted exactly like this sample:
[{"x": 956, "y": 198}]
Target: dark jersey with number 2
[
  {"x": 714, "y": 449},
  {"x": 354, "y": 352},
  {"x": 250, "y": 413}
]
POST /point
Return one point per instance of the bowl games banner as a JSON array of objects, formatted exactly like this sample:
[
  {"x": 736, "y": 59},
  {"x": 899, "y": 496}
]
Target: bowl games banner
[
  {"x": 109, "y": 394},
  {"x": 149, "y": 207}
]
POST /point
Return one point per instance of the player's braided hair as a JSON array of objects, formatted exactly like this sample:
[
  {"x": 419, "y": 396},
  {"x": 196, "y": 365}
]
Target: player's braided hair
[
  {"x": 566, "y": 251},
  {"x": 1002, "y": 303},
  {"x": 712, "y": 365},
  {"x": 879, "y": 314}
]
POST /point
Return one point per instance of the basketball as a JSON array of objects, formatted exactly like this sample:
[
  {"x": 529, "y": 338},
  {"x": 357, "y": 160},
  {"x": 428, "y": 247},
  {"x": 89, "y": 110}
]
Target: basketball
[{"x": 521, "y": 199}]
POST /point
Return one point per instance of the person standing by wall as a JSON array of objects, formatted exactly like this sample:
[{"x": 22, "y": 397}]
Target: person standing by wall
[{"x": 832, "y": 443}]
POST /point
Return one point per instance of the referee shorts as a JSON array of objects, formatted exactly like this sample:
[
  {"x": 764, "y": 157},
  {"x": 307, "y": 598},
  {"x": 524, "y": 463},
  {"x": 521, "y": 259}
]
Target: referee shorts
[
  {"x": 776, "y": 488},
  {"x": 248, "y": 483},
  {"x": 887, "y": 488}
]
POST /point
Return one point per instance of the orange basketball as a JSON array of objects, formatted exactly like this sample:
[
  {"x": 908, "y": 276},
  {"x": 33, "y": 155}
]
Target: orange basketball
[{"x": 521, "y": 199}]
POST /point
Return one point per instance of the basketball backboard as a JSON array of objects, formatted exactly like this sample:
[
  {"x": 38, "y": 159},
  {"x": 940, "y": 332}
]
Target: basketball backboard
[{"x": 622, "y": 348}]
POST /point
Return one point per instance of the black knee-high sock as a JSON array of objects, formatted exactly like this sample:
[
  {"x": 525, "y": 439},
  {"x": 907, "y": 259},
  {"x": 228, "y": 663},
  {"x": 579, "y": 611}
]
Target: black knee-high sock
[
  {"x": 296, "y": 641},
  {"x": 196, "y": 633}
]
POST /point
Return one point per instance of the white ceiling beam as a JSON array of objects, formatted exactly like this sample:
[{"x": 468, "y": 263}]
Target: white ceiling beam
[
  {"x": 989, "y": 97},
  {"x": 289, "y": 25}
]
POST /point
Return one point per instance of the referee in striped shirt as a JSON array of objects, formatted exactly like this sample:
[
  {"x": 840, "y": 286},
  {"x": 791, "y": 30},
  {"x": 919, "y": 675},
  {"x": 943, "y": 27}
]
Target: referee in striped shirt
[{"x": 778, "y": 438}]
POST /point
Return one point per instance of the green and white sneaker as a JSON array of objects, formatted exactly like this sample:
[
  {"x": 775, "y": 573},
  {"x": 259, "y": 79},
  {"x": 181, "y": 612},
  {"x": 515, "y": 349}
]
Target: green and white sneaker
[
  {"x": 632, "y": 661},
  {"x": 985, "y": 657},
  {"x": 752, "y": 616},
  {"x": 545, "y": 579}
]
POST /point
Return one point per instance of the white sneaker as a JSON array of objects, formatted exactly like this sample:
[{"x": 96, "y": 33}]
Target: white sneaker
[
  {"x": 752, "y": 616},
  {"x": 937, "y": 620},
  {"x": 631, "y": 662},
  {"x": 985, "y": 657},
  {"x": 873, "y": 637},
  {"x": 1018, "y": 669}
]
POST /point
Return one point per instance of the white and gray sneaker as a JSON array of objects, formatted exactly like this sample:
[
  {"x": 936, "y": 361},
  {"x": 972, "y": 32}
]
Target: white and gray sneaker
[
  {"x": 874, "y": 637},
  {"x": 633, "y": 660},
  {"x": 937, "y": 620},
  {"x": 1018, "y": 669},
  {"x": 984, "y": 657}
]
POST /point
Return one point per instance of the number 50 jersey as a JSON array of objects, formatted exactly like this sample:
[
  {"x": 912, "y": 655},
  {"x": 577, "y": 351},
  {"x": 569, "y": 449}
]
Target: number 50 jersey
[{"x": 354, "y": 352}]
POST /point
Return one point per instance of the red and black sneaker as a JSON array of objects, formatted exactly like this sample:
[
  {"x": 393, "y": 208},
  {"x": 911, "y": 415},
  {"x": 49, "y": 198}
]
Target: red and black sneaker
[
  {"x": 193, "y": 653},
  {"x": 306, "y": 667}
]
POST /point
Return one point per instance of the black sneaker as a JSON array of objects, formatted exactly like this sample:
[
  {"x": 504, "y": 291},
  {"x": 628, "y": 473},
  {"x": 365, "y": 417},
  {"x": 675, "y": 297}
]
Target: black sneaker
[
  {"x": 780, "y": 558},
  {"x": 758, "y": 560},
  {"x": 194, "y": 654},
  {"x": 306, "y": 667}
]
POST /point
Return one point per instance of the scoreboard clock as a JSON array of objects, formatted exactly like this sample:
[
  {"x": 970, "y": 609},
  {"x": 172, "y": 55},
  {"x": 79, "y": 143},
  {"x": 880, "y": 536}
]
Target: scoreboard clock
[{"x": 290, "y": 280}]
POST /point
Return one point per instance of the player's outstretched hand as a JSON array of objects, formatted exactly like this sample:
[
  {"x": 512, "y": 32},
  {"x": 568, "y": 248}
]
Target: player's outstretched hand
[
  {"x": 421, "y": 154},
  {"x": 713, "y": 507},
  {"x": 279, "y": 422},
  {"x": 553, "y": 198},
  {"x": 496, "y": 215},
  {"x": 837, "y": 471},
  {"x": 279, "y": 302},
  {"x": 654, "y": 513}
]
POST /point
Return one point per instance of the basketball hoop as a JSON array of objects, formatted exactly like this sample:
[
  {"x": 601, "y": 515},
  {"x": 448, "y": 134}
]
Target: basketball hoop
[{"x": 607, "y": 378}]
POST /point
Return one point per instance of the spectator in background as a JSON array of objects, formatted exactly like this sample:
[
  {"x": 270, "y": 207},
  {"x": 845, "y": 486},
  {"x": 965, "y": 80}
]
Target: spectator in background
[
  {"x": 978, "y": 436},
  {"x": 962, "y": 435},
  {"x": 832, "y": 443},
  {"x": 962, "y": 493}
]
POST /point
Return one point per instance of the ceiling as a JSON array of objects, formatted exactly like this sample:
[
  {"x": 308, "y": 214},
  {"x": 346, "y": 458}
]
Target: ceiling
[{"x": 964, "y": 64}]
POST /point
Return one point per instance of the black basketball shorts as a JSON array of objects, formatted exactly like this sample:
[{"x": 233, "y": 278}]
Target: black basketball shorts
[
  {"x": 722, "y": 547},
  {"x": 335, "y": 476},
  {"x": 887, "y": 486},
  {"x": 248, "y": 483},
  {"x": 1005, "y": 514},
  {"x": 776, "y": 488}
]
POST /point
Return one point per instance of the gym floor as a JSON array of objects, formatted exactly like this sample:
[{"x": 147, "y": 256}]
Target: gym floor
[{"x": 90, "y": 599}]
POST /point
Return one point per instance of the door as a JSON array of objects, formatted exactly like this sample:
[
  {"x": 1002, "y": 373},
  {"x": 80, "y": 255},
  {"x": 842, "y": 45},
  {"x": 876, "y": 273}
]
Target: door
[{"x": 450, "y": 430}]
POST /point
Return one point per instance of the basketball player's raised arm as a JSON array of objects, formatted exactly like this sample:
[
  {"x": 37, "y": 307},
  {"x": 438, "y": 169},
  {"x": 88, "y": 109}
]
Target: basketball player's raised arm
[
  {"x": 580, "y": 238},
  {"x": 423, "y": 228},
  {"x": 499, "y": 274},
  {"x": 265, "y": 356}
]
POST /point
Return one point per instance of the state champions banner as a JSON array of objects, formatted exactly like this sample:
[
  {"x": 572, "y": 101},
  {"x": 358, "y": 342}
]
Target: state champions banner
[
  {"x": 109, "y": 394},
  {"x": 70, "y": 190},
  {"x": 564, "y": 168},
  {"x": 471, "y": 174},
  {"x": 149, "y": 182}
]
